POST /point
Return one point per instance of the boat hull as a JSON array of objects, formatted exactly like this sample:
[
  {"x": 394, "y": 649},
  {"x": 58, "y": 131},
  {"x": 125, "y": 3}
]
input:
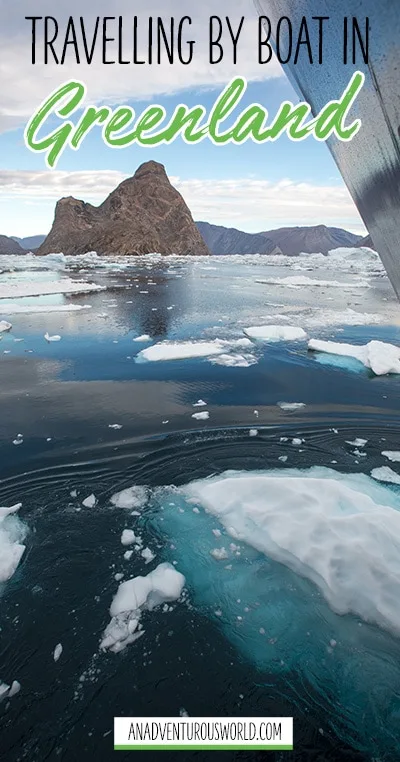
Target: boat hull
[{"x": 370, "y": 162}]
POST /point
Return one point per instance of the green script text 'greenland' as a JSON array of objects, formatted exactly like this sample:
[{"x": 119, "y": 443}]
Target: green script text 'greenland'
[{"x": 121, "y": 127}]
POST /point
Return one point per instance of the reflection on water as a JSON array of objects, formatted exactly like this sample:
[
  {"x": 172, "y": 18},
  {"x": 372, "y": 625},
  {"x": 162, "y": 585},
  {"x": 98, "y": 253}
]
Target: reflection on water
[{"x": 63, "y": 397}]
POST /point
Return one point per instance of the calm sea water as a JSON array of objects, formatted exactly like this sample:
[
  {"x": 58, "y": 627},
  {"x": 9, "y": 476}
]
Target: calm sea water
[{"x": 63, "y": 396}]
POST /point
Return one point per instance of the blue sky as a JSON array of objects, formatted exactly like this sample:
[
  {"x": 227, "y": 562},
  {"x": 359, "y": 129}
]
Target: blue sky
[{"x": 253, "y": 186}]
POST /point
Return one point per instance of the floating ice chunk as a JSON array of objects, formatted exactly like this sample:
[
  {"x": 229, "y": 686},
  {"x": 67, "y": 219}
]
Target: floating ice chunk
[
  {"x": 4, "y": 691},
  {"x": 128, "y": 555},
  {"x": 89, "y": 502},
  {"x": 275, "y": 333},
  {"x": 340, "y": 531},
  {"x": 27, "y": 309},
  {"x": 12, "y": 533},
  {"x": 148, "y": 555},
  {"x": 31, "y": 287},
  {"x": 180, "y": 350},
  {"x": 52, "y": 338},
  {"x": 164, "y": 584},
  {"x": 385, "y": 474},
  {"x": 220, "y": 554},
  {"x": 253, "y": 433},
  {"x": 8, "y": 692},
  {"x": 234, "y": 360},
  {"x": 380, "y": 357},
  {"x": 128, "y": 537},
  {"x": 289, "y": 406},
  {"x": 297, "y": 442},
  {"x": 200, "y": 403},
  {"x": 57, "y": 652},
  {"x": 297, "y": 281},
  {"x": 4, "y": 326},
  {"x": 143, "y": 338},
  {"x": 201, "y": 416},
  {"x": 73, "y": 493},
  {"x": 116, "y": 426},
  {"x": 133, "y": 497},
  {"x": 15, "y": 688},
  {"x": 358, "y": 442},
  {"x": 392, "y": 455}
]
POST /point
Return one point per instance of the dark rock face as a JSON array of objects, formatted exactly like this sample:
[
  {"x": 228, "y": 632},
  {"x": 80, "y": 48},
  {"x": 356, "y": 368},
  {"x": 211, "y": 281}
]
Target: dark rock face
[
  {"x": 367, "y": 241},
  {"x": 221, "y": 240},
  {"x": 143, "y": 215},
  {"x": 311, "y": 240},
  {"x": 9, "y": 246}
]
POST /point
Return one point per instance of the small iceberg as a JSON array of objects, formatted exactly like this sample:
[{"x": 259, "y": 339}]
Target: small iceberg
[
  {"x": 275, "y": 333},
  {"x": 133, "y": 497},
  {"x": 52, "y": 338},
  {"x": 4, "y": 326},
  {"x": 378, "y": 356}
]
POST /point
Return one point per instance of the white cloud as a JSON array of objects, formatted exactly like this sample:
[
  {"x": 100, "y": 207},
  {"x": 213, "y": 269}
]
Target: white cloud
[
  {"x": 24, "y": 85},
  {"x": 245, "y": 203}
]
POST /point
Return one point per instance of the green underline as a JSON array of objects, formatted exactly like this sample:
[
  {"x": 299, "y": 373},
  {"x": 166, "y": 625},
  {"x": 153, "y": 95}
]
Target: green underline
[{"x": 165, "y": 747}]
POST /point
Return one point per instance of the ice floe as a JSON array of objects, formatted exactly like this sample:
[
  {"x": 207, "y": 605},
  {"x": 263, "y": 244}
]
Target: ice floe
[
  {"x": 11, "y": 289},
  {"x": 234, "y": 360},
  {"x": 340, "y": 531},
  {"x": 394, "y": 456},
  {"x": 164, "y": 584},
  {"x": 26, "y": 309},
  {"x": 180, "y": 350},
  {"x": 57, "y": 652},
  {"x": 143, "y": 338},
  {"x": 385, "y": 474},
  {"x": 358, "y": 442},
  {"x": 378, "y": 356},
  {"x": 299, "y": 281},
  {"x": 90, "y": 501},
  {"x": 201, "y": 416},
  {"x": 128, "y": 537},
  {"x": 275, "y": 333},
  {"x": 291, "y": 406},
  {"x": 12, "y": 534},
  {"x": 8, "y": 691},
  {"x": 49, "y": 338},
  {"x": 133, "y": 497},
  {"x": 4, "y": 326}
]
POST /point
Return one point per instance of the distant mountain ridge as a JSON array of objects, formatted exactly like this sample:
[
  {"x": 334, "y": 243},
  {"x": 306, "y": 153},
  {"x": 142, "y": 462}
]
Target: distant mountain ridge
[
  {"x": 221, "y": 240},
  {"x": 311, "y": 240},
  {"x": 10, "y": 246},
  {"x": 31, "y": 243}
]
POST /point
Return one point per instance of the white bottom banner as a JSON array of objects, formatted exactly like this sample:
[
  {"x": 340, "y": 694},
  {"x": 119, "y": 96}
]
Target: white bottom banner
[{"x": 184, "y": 733}]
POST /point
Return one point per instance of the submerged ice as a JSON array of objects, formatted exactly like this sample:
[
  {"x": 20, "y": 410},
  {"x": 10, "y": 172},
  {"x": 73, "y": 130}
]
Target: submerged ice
[
  {"x": 297, "y": 568},
  {"x": 341, "y": 533}
]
